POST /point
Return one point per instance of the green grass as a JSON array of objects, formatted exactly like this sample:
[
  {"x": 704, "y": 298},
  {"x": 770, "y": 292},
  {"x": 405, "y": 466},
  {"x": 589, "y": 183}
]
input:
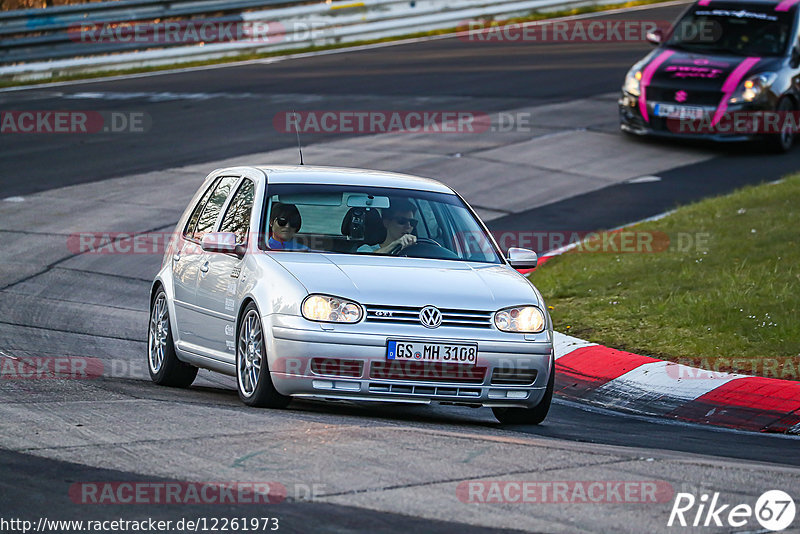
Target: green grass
[
  {"x": 736, "y": 296},
  {"x": 250, "y": 56}
]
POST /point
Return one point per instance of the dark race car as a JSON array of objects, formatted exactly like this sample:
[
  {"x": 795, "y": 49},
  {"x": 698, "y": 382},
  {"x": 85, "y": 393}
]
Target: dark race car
[{"x": 727, "y": 71}]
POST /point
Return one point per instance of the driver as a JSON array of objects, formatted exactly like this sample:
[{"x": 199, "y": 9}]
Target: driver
[
  {"x": 399, "y": 221},
  {"x": 284, "y": 223}
]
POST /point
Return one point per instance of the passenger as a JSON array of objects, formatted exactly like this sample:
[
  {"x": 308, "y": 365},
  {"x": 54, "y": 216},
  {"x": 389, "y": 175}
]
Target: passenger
[
  {"x": 399, "y": 221},
  {"x": 284, "y": 223}
]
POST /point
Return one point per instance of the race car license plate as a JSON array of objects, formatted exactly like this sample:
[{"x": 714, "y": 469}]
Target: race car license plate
[
  {"x": 672, "y": 111},
  {"x": 460, "y": 353}
]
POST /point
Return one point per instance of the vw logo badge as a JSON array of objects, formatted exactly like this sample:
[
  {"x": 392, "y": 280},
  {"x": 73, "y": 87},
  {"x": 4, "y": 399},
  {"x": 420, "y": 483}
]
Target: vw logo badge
[
  {"x": 430, "y": 317},
  {"x": 681, "y": 96}
]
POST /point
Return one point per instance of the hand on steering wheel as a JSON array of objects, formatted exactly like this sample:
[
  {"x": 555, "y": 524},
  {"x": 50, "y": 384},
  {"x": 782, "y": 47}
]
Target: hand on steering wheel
[{"x": 406, "y": 240}]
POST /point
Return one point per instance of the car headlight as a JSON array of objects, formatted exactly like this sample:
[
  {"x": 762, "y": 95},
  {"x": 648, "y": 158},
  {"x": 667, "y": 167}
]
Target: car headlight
[
  {"x": 327, "y": 309},
  {"x": 527, "y": 319},
  {"x": 632, "y": 80},
  {"x": 753, "y": 87}
]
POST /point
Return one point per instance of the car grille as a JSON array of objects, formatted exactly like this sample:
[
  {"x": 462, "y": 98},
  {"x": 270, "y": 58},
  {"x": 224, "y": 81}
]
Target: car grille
[
  {"x": 513, "y": 377},
  {"x": 428, "y": 391},
  {"x": 410, "y": 315},
  {"x": 426, "y": 372},
  {"x": 695, "y": 98}
]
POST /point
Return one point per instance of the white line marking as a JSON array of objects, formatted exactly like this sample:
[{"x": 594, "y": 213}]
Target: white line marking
[
  {"x": 644, "y": 179},
  {"x": 8, "y": 356}
]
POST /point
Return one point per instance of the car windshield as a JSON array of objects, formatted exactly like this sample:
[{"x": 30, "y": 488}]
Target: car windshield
[
  {"x": 371, "y": 220},
  {"x": 740, "y": 30}
]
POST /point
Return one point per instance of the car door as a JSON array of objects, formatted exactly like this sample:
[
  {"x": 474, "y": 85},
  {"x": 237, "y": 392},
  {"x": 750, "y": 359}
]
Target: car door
[
  {"x": 185, "y": 263},
  {"x": 220, "y": 275},
  {"x": 191, "y": 257}
]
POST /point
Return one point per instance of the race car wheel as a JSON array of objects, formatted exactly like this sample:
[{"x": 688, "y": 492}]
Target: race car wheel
[
  {"x": 162, "y": 362},
  {"x": 252, "y": 370},
  {"x": 529, "y": 416},
  {"x": 782, "y": 142}
]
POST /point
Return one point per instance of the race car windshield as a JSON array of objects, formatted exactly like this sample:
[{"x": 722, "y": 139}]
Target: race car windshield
[
  {"x": 374, "y": 221},
  {"x": 743, "y": 31}
]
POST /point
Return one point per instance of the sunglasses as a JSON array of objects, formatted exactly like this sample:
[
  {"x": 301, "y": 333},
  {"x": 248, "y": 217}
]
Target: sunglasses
[
  {"x": 402, "y": 221},
  {"x": 283, "y": 221}
]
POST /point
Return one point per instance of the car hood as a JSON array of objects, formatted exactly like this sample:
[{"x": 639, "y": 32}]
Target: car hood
[
  {"x": 410, "y": 281},
  {"x": 682, "y": 70}
]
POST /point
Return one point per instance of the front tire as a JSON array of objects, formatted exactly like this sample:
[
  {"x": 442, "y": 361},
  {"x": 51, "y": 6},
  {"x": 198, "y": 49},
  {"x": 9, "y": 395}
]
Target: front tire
[
  {"x": 253, "y": 379},
  {"x": 782, "y": 142},
  {"x": 529, "y": 416},
  {"x": 163, "y": 364}
]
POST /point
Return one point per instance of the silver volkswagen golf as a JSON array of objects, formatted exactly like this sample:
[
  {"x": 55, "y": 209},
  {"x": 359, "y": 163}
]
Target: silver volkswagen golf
[{"x": 349, "y": 284}]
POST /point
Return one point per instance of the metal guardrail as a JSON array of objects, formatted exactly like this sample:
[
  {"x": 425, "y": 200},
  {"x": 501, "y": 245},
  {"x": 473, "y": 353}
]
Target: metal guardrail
[
  {"x": 59, "y": 18},
  {"x": 36, "y": 43}
]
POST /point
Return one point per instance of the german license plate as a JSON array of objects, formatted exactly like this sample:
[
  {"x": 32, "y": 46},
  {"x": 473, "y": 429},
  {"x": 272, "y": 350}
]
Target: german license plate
[
  {"x": 461, "y": 353},
  {"x": 672, "y": 111}
]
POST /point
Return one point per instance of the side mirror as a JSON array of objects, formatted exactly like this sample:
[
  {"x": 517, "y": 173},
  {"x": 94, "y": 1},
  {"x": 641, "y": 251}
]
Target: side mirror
[
  {"x": 795, "y": 60},
  {"x": 654, "y": 37},
  {"x": 522, "y": 258},
  {"x": 224, "y": 242}
]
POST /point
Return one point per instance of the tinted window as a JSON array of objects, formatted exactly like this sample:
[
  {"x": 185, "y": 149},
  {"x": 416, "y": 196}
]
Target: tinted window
[
  {"x": 205, "y": 223},
  {"x": 237, "y": 218}
]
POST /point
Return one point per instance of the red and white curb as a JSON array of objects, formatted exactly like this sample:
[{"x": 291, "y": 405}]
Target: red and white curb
[{"x": 640, "y": 384}]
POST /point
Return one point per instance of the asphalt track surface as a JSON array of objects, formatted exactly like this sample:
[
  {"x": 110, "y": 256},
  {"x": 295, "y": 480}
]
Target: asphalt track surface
[
  {"x": 232, "y": 110},
  {"x": 440, "y": 74}
]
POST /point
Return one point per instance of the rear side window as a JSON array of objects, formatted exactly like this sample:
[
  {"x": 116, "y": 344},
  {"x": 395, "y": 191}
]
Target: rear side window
[
  {"x": 192, "y": 224},
  {"x": 210, "y": 213},
  {"x": 237, "y": 218}
]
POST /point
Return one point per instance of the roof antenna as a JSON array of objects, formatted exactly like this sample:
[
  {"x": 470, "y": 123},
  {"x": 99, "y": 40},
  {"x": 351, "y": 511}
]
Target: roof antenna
[{"x": 297, "y": 132}]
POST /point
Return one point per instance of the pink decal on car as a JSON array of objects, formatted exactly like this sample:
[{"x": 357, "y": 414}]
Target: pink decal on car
[
  {"x": 703, "y": 2},
  {"x": 647, "y": 75},
  {"x": 731, "y": 84},
  {"x": 785, "y": 5}
]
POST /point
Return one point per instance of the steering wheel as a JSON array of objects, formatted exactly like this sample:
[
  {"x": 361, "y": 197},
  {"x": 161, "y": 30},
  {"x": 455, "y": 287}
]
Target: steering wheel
[{"x": 425, "y": 248}]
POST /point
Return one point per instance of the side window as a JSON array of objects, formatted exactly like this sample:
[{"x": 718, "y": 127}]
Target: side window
[
  {"x": 237, "y": 218},
  {"x": 205, "y": 223},
  {"x": 190, "y": 226}
]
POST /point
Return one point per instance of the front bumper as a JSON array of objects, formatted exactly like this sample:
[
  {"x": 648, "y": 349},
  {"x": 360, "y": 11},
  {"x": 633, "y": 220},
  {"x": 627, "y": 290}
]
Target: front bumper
[
  {"x": 632, "y": 121},
  {"x": 296, "y": 348}
]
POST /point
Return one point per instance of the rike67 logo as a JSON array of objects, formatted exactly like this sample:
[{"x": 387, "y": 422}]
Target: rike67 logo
[{"x": 774, "y": 510}]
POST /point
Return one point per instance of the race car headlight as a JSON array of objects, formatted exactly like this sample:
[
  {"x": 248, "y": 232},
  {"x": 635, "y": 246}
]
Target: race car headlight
[
  {"x": 527, "y": 319},
  {"x": 753, "y": 87},
  {"x": 327, "y": 309},
  {"x": 632, "y": 80}
]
